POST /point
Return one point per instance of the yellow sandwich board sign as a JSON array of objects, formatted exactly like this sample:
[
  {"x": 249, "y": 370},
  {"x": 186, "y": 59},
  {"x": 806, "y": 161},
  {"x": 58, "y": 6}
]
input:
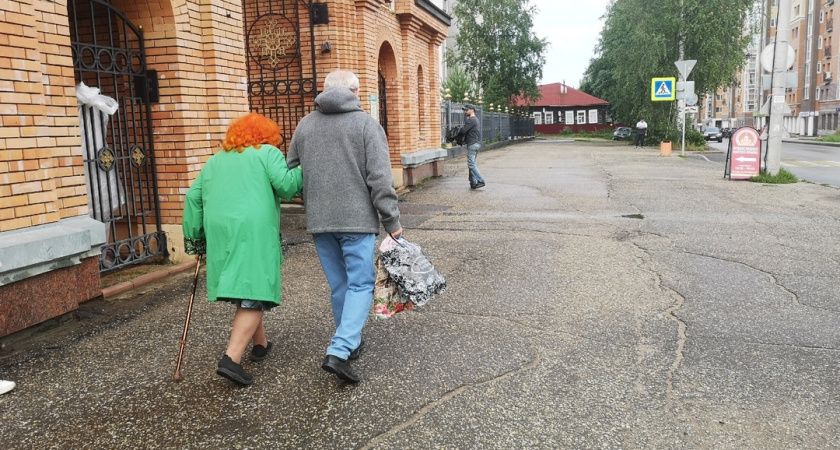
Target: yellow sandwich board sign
[{"x": 663, "y": 89}]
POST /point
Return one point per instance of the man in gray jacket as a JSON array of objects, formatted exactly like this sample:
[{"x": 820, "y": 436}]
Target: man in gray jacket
[
  {"x": 348, "y": 190},
  {"x": 471, "y": 134}
]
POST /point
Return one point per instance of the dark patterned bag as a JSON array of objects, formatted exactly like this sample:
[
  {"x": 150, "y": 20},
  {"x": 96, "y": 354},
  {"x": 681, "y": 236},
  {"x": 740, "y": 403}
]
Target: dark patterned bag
[{"x": 415, "y": 276}]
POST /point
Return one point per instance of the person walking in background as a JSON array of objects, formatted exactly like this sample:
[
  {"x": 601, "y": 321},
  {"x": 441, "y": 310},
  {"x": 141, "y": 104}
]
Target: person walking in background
[
  {"x": 6, "y": 386},
  {"x": 641, "y": 132},
  {"x": 470, "y": 131},
  {"x": 232, "y": 213},
  {"x": 348, "y": 190}
]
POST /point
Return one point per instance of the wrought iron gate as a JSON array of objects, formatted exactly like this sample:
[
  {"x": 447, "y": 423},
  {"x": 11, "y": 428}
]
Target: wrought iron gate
[
  {"x": 109, "y": 55},
  {"x": 280, "y": 85}
]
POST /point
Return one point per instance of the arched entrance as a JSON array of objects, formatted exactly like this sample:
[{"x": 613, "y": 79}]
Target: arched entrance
[
  {"x": 109, "y": 56},
  {"x": 282, "y": 78},
  {"x": 387, "y": 87}
]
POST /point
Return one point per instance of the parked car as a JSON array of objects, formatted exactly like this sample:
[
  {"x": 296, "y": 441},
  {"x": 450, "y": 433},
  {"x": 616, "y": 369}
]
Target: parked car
[
  {"x": 622, "y": 133},
  {"x": 713, "y": 133}
]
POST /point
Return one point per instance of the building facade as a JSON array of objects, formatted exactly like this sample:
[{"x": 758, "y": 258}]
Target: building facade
[
  {"x": 110, "y": 109},
  {"x": 564, "y": 108},
  {"x": 813, "y": 94},
  {"x": 740, "y": 104}
]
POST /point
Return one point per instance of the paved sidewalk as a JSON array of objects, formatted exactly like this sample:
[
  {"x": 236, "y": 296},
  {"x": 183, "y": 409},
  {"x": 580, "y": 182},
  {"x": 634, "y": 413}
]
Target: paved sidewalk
[{"x": 599, "y": 297}]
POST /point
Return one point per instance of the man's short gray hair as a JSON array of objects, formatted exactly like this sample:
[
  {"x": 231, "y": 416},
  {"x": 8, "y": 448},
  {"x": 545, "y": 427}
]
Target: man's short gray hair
[{"x": 342, "y": 79}]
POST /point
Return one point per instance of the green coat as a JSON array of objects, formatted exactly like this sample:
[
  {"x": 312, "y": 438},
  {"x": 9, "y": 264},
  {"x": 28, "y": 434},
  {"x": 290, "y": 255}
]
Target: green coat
[{"x": 233, "y": 208}]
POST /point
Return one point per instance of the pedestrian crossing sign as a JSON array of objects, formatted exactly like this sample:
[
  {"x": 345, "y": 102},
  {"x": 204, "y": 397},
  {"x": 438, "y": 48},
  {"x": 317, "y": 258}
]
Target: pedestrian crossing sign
[{"x": 662, "y": 89}]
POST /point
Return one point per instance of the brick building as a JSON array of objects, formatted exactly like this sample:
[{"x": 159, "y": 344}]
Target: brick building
[{"x": 109, "y": 162}]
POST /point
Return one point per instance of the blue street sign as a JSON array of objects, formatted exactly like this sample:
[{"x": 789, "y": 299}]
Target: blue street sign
[{"x": 662, "y": 89}]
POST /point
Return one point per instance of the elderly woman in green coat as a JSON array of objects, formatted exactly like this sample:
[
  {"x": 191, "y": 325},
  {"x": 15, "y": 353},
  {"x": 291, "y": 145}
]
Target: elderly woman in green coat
[{"x": 232, "y": 214}]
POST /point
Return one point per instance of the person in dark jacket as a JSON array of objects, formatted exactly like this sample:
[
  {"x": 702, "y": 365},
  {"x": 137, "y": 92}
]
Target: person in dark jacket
[
  {"x": 348, "y": 190},
  {"x": 470, "y": 131}
]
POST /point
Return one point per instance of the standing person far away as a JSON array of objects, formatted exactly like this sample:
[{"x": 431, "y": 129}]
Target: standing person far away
[
  {"x": 348, "y": 190},
  {"x": 641, "y": 132},
  {"x": 232, "y": 213},
  {"x": 470, "y": 131}
]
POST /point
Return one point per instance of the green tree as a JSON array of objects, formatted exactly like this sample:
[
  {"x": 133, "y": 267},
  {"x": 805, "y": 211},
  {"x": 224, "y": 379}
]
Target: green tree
[
  {"x": 639, "y": 42},
  {"x": 458, "y": 83},
  {"x": 498, "y": 49}
]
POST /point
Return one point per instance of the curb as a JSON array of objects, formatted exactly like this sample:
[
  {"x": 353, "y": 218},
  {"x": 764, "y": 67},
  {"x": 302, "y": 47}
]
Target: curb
[
  {"x": 812, "y": 142},
  {"x": 121, "y": 288}
]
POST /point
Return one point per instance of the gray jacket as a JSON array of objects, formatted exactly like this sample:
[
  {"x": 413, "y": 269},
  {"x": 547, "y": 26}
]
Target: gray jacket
[{"x": 347, "y": 181}]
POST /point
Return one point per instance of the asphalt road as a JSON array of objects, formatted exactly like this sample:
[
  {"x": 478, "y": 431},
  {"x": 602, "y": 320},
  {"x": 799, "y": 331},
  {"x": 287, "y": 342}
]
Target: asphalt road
[
  {"x": 810, "y": 162},
  {"x": 599, "y": 296}
]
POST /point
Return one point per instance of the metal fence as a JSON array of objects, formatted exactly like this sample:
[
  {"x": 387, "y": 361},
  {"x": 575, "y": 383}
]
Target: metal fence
[{"x": 495, "y": 126}]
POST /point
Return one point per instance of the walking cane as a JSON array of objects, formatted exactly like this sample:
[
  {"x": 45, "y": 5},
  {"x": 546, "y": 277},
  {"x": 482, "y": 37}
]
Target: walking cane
[{"x": 177, "y": 375}]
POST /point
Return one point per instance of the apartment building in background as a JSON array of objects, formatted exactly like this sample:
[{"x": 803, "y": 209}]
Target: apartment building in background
[
  {"x": 740, "y": 105},
  {"x": 815, "y": 98},
  {"x": 813, "y": 94}
]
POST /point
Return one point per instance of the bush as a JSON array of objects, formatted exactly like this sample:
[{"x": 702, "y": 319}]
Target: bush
[
  {"x": 673, "y": 133},
  {"x": 694, "y": 137},
  {"x": 567, "y": 132},
  {"x": 602, "y": 134}
]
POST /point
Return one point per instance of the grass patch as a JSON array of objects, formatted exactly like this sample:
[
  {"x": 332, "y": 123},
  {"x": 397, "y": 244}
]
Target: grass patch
[
  {"x": 567, "y": 133},
  {"x": 690, "y": 147},
  {"x": 783, "y": 177},
  {"x": 829, "y": 138}
]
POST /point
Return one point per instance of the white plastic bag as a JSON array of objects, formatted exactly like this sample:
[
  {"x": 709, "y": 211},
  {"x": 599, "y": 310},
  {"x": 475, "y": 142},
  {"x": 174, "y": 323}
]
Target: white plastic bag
[{"x": 94, "y": 111}]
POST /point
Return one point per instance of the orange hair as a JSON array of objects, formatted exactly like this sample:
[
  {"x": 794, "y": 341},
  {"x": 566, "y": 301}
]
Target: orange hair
[{"x": 251, "y": 131}]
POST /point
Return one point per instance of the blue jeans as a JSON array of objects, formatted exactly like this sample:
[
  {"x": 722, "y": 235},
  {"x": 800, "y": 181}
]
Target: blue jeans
[
  {"x": 347, "y": 260},
  {"x": 475, "y": 175}
]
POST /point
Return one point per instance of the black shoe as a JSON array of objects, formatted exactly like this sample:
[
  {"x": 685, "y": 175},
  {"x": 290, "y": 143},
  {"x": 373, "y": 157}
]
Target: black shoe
[
  {"x": 472, "y": 186},
  {"x": 341, "y": 368},
  {"x": 258, "y": 353},
  {"x": 358, "y": 352},
  {"x": 480, "y": 184},
  {"x": 233, "y": 372}
]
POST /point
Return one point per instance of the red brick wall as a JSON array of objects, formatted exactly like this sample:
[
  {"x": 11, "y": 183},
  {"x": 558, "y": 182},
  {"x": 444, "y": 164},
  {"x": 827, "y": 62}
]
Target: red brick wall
[
  {"x": 198, "y": 51},
  {"x": 41, "y": 177}
]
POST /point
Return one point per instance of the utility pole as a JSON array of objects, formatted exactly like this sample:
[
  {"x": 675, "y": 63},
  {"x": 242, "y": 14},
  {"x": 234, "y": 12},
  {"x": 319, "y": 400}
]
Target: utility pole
[
  {"x": 764, "y": 16},
  {"x": 777, "y": 92},
  {"x": 683, "y": 76}
]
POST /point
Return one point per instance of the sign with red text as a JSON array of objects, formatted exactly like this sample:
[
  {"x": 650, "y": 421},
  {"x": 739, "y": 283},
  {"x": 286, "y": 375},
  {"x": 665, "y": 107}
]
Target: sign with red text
[{"x": 744, "y": 154}]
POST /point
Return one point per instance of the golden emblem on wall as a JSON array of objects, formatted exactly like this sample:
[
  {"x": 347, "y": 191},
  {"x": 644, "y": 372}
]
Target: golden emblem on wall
[
  {"x": 106, "y": 158},
  {"x": 273, "y": 42}
]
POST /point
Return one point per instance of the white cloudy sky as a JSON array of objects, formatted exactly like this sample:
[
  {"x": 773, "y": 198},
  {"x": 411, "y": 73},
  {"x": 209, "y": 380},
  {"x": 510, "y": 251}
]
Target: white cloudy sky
[{"x": 572, "y": 28}]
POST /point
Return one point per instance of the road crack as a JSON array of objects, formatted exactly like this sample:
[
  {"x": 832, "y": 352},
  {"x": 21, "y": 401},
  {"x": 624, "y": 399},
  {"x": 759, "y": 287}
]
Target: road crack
[
  {"x": 670, "y": 396},
  {"x": 770, "y": 276},
  {"x": 445, "y": 398}
]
